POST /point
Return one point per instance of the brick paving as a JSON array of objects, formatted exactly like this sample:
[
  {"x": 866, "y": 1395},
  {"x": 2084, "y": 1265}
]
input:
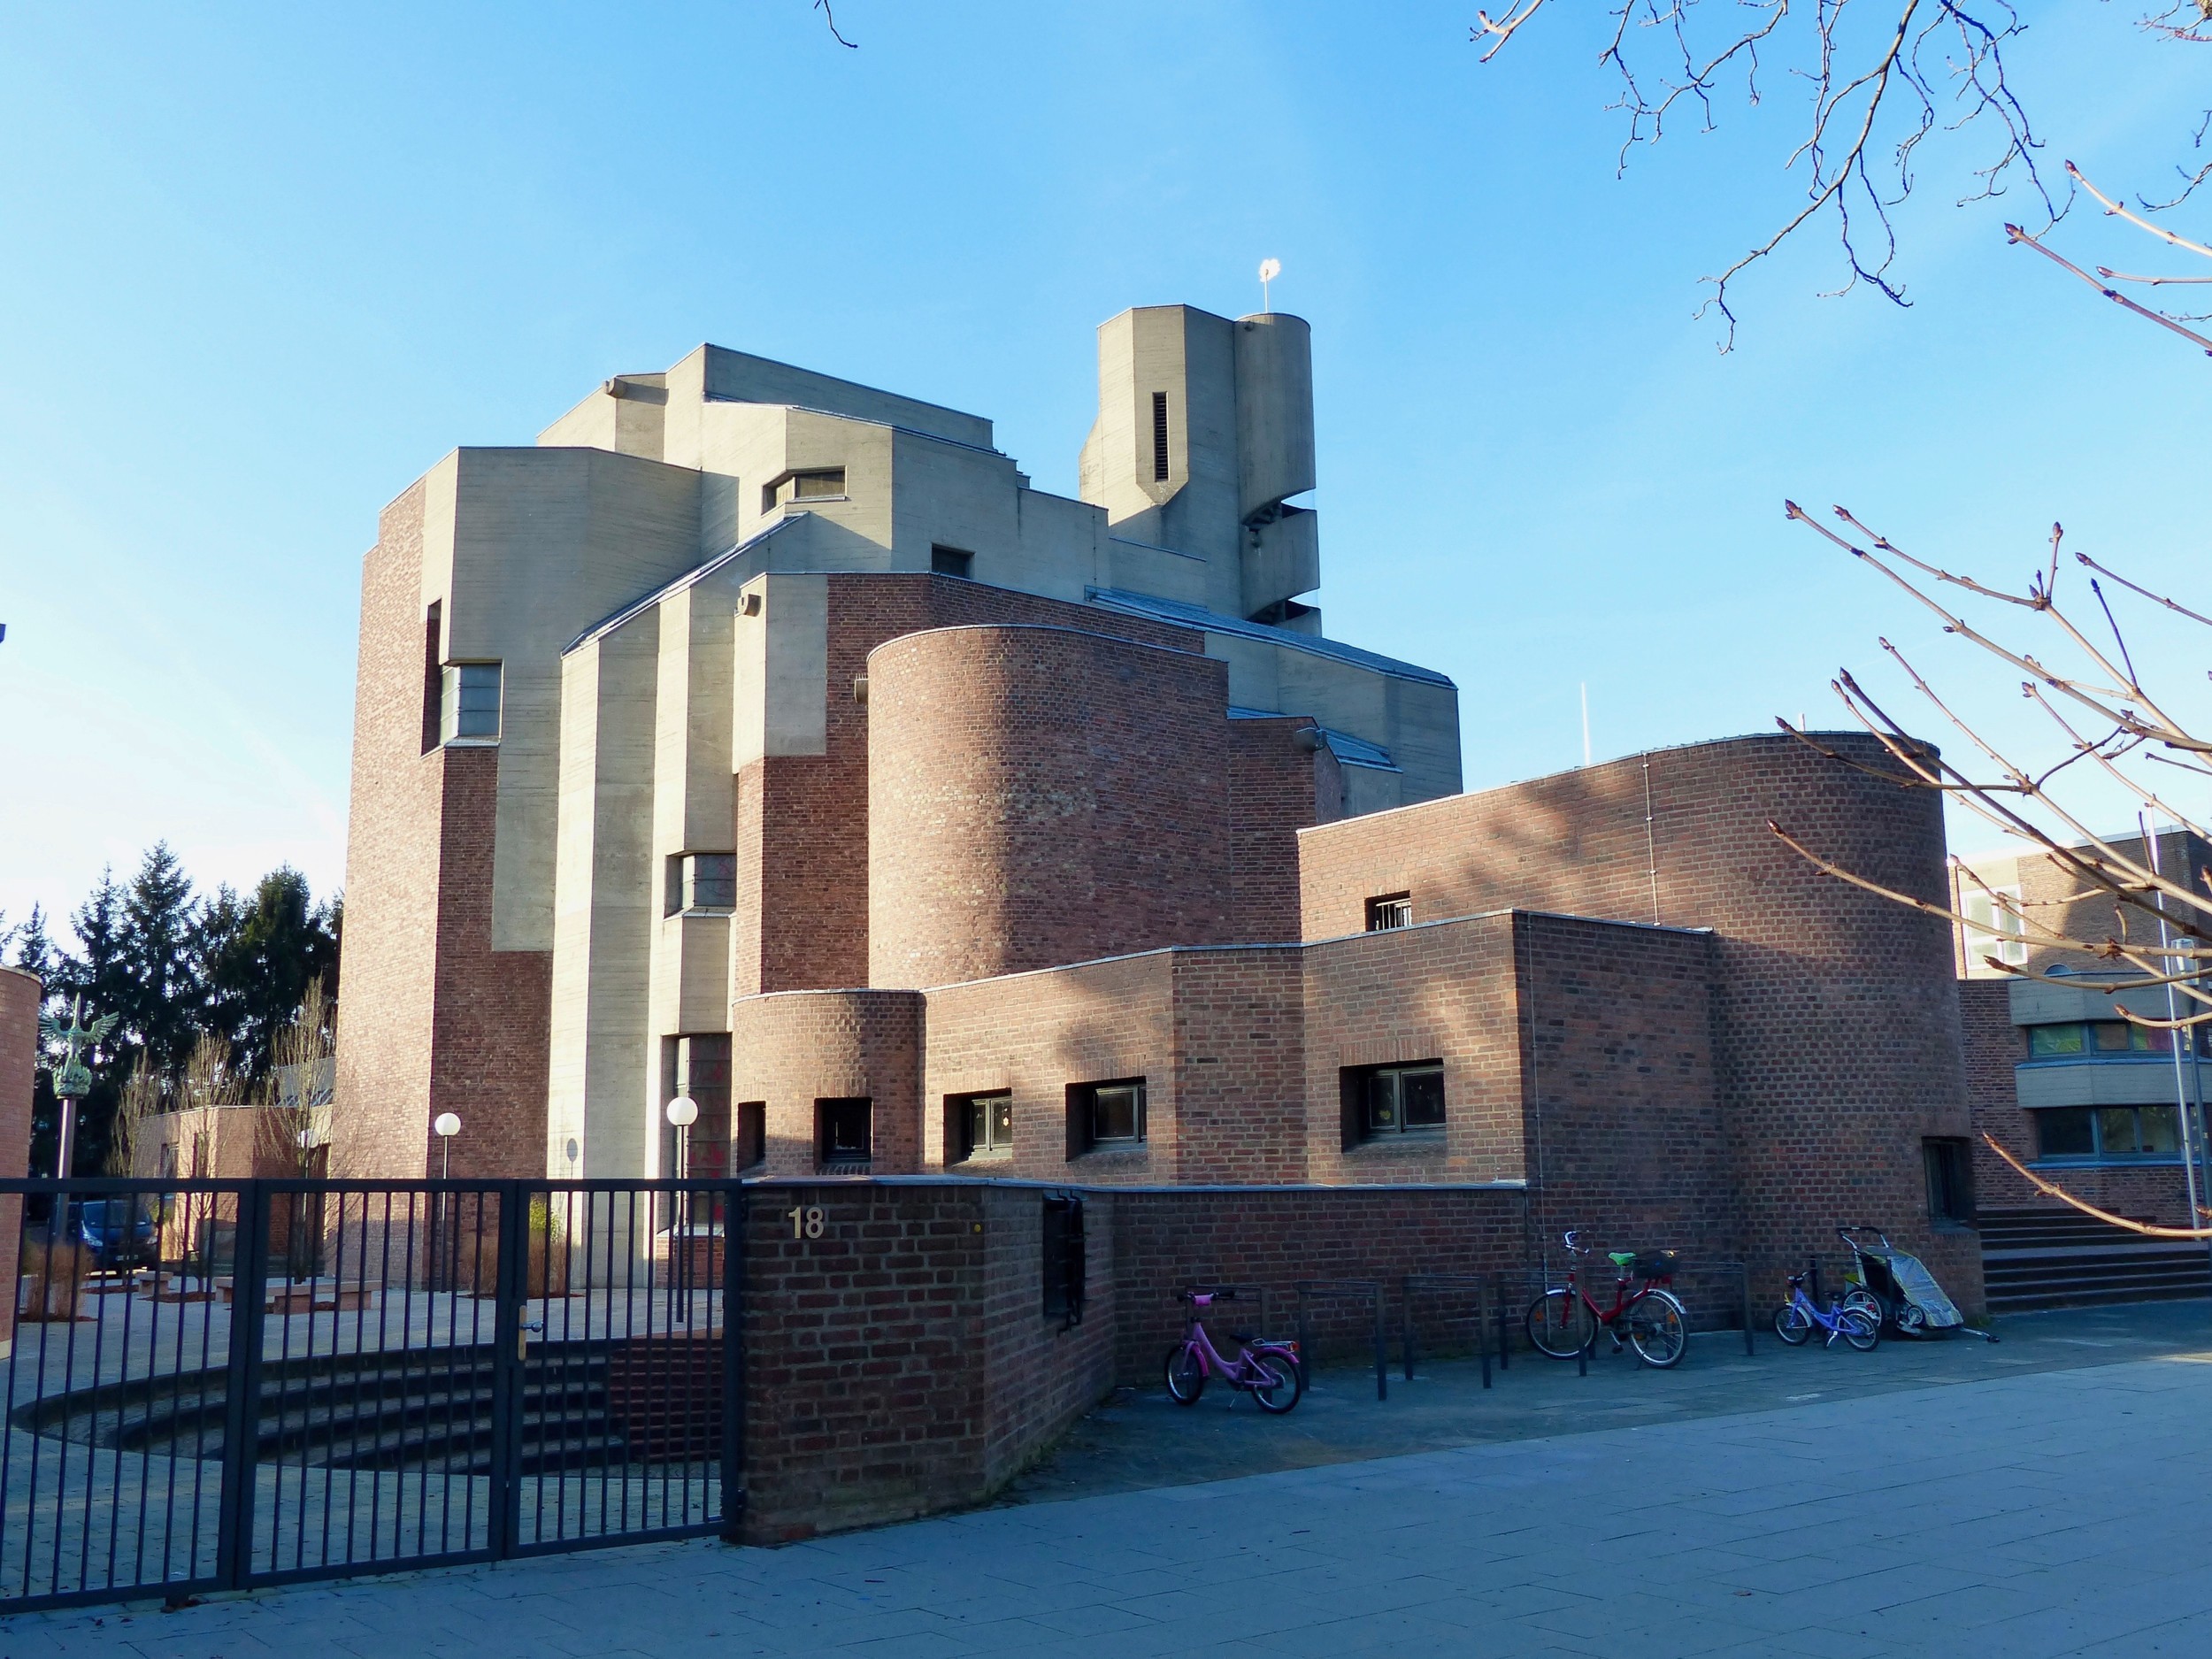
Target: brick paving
[{"x": 2052, "y": 1507}]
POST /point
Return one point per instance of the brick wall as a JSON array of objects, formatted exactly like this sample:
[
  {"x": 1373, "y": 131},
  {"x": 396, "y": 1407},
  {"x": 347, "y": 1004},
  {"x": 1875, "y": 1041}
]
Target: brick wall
[
  {"x": 790, "y": 1048},
  {"x": 1277, "y": 786},
  {"x": 1039, "y": 797},
  {"x": 1837, "y": 1045},
  {"x": 21, "y": 993}
]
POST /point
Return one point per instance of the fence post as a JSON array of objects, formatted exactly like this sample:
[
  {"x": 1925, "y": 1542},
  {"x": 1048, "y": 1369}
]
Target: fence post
[
  {"x": 1589, "y": 1348},
  {"x": 512, "y": 1289},
  {"x": 1482, "y": 1329},
  {"x": 1747, "y": 1307},
  {"x": 1405, "y": 1289},
  {"x": 1305, "y": 1336},
  {"x": 241, "y": 1400},
  {"x": 733, "y": 1364},
  {"x": 1382, "y": 1348}
]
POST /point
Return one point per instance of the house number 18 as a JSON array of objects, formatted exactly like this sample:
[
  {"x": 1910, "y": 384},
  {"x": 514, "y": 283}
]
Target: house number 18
[{"x": 807, "y": 1223}]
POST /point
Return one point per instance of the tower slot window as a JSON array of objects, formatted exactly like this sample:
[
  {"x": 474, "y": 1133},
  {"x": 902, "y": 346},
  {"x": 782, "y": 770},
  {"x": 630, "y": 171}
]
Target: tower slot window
[
  {"x": 749, "y": 1140},
  {"x": 823, "y": 484},
  {"x": 952, "y": 561},
  {"x": 981, "y": 1127},
  {"x": 844, "y": 1134},
  {"x": 701, "y": 884},
  {"x": 1388, "y": 911},
  {"x": 468, "y": 703},
  {"x": 432, "y": 676},
  {"x": 1159, "y": 436},
  {"x": 1386, "y": 1101}
]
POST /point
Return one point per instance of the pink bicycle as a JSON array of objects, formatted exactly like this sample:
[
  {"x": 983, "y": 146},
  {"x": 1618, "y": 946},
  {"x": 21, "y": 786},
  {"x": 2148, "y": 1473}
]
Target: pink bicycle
[{"x": 1268, "y": 1370}]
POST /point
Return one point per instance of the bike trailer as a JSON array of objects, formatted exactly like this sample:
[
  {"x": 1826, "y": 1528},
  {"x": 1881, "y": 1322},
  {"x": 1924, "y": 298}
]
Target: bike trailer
[{"x": 1916, "y": 1302}]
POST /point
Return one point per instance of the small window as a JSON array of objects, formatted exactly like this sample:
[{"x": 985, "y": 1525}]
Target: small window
[
  {"x": 432, "y": 676},
  {"x": 844, "y": 1134},
  {"x": 1106, "y": 1116},
  {"x": 1387, "y": 911},
  {"x": 468, "y": 703},
  {"x": 1992, "y": 930},
  {"x": 1159, "y": 436},
  {"x": 2107, "y": 1134},
  {"x": 2050, "y": 1041},
  {"x": 1397, "y": 1099},
  {"x": 2066, "y": 1132},
  {"x": 1950, "y": 1182},
  {"x": 700, "y": 883},
  {"x": 981, "y": 1127},
  {"x": 952, "y": 561},
  {"x": 748, "y": 1138},
  {"x": 825, "y": 484}
]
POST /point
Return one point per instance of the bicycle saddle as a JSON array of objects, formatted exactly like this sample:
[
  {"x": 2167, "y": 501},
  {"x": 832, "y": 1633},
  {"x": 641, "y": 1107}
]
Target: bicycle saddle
[{"x": 1620, "y": 1258}]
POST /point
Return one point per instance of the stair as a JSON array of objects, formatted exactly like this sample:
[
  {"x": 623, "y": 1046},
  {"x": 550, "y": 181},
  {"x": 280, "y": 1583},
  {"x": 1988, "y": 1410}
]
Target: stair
[{"x": 2057, "y": 1258}]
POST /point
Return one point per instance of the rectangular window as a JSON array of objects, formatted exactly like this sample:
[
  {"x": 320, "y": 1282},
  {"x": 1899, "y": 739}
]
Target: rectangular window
[
  {"x": 1106, "y": 1116},
  {"x": 2109, "y": 1133},
  {"x": 952, "y": 561},
  {"x": 704, "y": 883},
  {"x": 1064, "y": 1265},
  {"x": 749, "y": 1140},
  {"x": 1387, "y": 911},
  {"x": 823, "y": 484},
  {"x": 2050, "y": 1041},
  {"x": 1159, "y": 436},
  {"x": 1395, "y": 1099},
  {"x": 1991, "y": 929},
  {"x": 468, "y": 704},
  {"x": 1950, "y": 1181},
  {"x": 981, "y": 1127},
  {"x": 844, "y": 1134}
]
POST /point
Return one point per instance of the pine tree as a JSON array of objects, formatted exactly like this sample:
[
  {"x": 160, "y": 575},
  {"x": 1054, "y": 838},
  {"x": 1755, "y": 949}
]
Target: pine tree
[{"x": 260, "y": 957}]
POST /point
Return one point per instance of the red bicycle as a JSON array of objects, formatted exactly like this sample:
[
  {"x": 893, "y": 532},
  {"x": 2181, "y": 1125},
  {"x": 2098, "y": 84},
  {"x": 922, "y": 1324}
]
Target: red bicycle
[
  {"x": 1565, "y": 1322},
  {"x": 1268, "y": 1370}
]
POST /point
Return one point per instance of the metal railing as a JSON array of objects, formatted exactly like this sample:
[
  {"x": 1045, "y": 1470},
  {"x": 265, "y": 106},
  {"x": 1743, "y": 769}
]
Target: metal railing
[{"x": 213, "y": 1384}]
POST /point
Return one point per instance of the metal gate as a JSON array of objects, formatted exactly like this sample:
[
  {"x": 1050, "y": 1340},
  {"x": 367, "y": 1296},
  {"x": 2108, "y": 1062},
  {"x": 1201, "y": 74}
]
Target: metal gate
[{"x": 213, "y": 1384}]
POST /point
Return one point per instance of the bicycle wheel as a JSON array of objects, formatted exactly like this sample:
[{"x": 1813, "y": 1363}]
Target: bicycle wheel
[
  {"x": 1792, "y": 1323},
  {"x": 1658, "y": 1329},
  {"x": 1858, "y": 1330},
  {"x": 1559, "y": 1324},
  {"x": 1867, "y": 1302},
  {"x": 1186, "y": 1374},
  {"x": 1278, "y": 1389}
]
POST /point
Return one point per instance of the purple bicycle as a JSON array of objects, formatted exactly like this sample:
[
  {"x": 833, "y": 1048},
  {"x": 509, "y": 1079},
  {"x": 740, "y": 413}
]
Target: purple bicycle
[{"x": 1268, "y": 1370}]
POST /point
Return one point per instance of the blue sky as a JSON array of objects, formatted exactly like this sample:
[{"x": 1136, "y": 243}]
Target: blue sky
[{"x": 266, "y": 265}]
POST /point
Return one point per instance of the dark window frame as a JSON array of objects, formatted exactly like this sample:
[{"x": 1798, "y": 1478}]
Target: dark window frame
[
  {"x": 748, "y": 1135},
  {"x": 1160, "y": 468},
  {"x": 836, "y": 1113},
  {"x": 1947, "y": 1161},
  {"x": 1063, "y": 1259},
  {"x": 2094, "y": 1120},
  {"x": 1083, "y": 1099},
  {"x": 951, "y": 561},
  {"x": 960, "y": 1138},
  {"x": 696, "y": 886},
  {"x": 1361, "y": 1086}
]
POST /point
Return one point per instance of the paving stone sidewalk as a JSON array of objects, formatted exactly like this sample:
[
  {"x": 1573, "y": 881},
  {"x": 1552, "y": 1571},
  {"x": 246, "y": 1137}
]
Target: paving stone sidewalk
[{"x": 2058, "y": 1512}]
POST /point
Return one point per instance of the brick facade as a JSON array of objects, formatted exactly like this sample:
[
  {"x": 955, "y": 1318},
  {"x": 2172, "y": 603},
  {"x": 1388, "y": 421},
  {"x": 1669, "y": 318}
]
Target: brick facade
[
  {"x": 1836, "y": 1021},
  {"x": 790, "y": 1048}
]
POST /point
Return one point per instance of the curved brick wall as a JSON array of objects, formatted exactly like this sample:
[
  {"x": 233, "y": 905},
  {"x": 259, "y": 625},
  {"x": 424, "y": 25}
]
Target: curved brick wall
[
  {"x": 1836, "y": 1013},
  {"x": 790, "y": 1048},
  {"x": 1039, "y": 797}
]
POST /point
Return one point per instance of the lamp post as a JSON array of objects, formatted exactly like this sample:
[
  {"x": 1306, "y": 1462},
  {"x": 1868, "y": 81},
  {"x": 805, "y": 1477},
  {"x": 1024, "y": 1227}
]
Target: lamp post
[
  {"x": 445, "y": 1125},
  {"x": 683, "y": 1112}
]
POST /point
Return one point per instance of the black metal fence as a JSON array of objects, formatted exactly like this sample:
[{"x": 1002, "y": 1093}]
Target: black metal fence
[{"x": 213, "y": 1384}]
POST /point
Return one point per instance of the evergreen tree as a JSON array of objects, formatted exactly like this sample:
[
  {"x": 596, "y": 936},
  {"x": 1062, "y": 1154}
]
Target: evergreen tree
[{"x": 260, "y": 956}]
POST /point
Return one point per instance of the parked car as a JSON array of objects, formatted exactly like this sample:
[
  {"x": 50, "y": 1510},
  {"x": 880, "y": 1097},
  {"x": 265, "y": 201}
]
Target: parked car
[{"x": 118, "y": 1231}]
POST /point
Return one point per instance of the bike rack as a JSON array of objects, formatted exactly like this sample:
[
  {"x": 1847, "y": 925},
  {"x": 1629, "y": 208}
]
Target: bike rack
[
  {"x": 1369, "y": 1288},
  {"x": 1451, "y": 1281}
]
